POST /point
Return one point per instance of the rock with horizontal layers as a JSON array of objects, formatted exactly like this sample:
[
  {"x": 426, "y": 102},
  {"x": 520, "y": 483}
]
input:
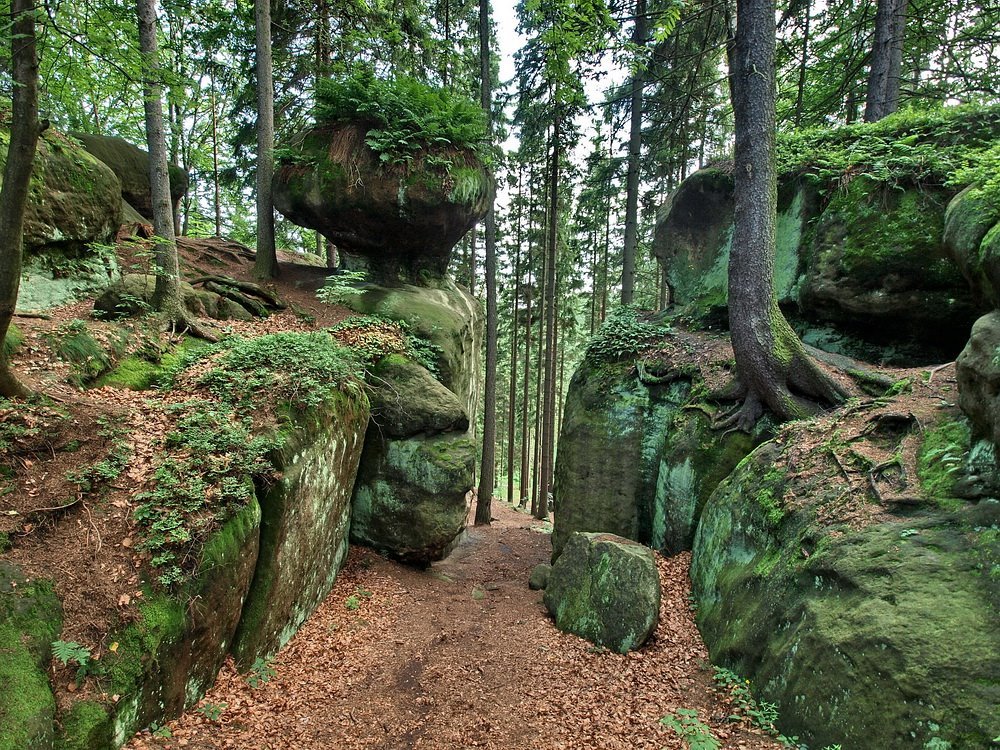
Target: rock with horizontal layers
[
  {"x": 872, "y": 633},
  {"x": 399, "y": 222},
  {"x": 131, "y": 164},
  {"x": 408, "y": 401},
  {"x": 606, "y": 589},
  {"x": 132, "y": 296}
]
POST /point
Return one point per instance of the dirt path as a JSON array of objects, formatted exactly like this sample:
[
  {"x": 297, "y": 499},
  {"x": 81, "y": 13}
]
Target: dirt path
[{"x": 461, "y": 656}]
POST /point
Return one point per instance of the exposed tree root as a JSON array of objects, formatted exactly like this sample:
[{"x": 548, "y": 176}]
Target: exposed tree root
[{"x": 179, "y": 323}]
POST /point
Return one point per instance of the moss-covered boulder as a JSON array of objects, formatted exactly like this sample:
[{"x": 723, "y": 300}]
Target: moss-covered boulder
[
  {"x": 410, "y": 496},
  {"x": 397, "y": 220},
  {"x": 606, "y": 589},
  {"x": 306, "y": 517},
  {"x": 30, "y": 620},
  {"x": 666, "y": 458},
  {"x": 407, "y": 400},
  {"x": 72, "y": 197},
  {"x": 441, "y": 313},
  {"x": 132, "y": 295},
  {"x": 166, "y": 660},
  {"x": 971, "y": 218},
  {"x": 865, "y": 626},
  {"x": 131, "y": 164},
  {"x": 978, "y": 373}
]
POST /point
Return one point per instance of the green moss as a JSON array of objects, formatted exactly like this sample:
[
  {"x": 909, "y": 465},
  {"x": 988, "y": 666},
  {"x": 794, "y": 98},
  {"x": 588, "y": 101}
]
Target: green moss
[
  {"x": 138, "y": 373},
  {"x": 87, "y": 726},
  {"x": 162, "y": 621},
  {"x": 27, "y": 706},
  {"x": 941, "y": 458},
  {"x": 12, "y": 340},
  {"x": 770, "y": 496}
]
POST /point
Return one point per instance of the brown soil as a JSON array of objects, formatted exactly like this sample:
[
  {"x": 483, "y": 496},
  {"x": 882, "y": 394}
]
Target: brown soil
[{"x": 462, "y": 655}]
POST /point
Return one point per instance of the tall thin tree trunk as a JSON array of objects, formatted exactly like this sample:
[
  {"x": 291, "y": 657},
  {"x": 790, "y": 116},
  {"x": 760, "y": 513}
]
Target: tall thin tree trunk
[
  {"x": 487, "y": 474},
  {"x": 639, "y": 34},
  {"x": 167, "y": 294},
  {"x": 886, "y": 60},
  {"x": 803, "y": 64},
  {"x": 24, "y": 131},
  {"x": 215, "y": 163},
  {"x": 266, "y": 262},
  {"x": 514, "y": 336},
  {"x": 525, "y": 484}
]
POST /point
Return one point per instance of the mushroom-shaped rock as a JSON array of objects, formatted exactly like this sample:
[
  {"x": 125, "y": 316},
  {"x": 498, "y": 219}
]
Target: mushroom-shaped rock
[
  {"x": 396, "y": 220},
  {"x": 131, "y": 164},
  {"x": 605, "y": 588}
]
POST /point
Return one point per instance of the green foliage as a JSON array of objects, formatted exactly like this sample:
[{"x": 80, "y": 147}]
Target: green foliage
[
  {"x": 69, "y": 651},
  {"x": 12, "y": 340},
  {"x": 372, "y": 337},
  {"x": 352, "y": 603},
  {"x": 261, "y": 672},
  {"x": 340, "y": 286},
  {"x": 203, "y": 480},
  {"x": 941, "y": 458},
  {"x": 300, "y": 369},
  {"x": 27, "y": 426},
  {"x": 689, "y": 727},
  {"x": 626, "y": 333},
  {"x": 212, "y": 711},
  {"x": 946, "y": 146},
  {"x": 88, "y": 478},
  {"x": 74, "y": 344},
  {"x": 761, "y": 714},
  {"x": 403, "y": 115}
]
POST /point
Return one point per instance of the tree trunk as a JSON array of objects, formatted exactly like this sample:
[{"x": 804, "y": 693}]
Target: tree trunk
[
  {"x": 487, "y": 474},
  {"x": 887, "y": 60},
  {"x": 551, "y": 257},
  {"x": 215, "y": 163},
  {"x": 266, "y": 262},
  {"x": 514, "y": 336},
  {"x": 772, "y": 366},
  {"x": 634, "y": 152},
  {"x": 167, "y": 294},
  {"x": 24, "y": 130},
  {"x": 803, "y": 65},
  {"x": 525, "y": 484}
]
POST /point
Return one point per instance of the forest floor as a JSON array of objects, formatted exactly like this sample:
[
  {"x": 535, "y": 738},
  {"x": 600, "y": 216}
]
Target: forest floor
[{"x": 462, "y": 655}]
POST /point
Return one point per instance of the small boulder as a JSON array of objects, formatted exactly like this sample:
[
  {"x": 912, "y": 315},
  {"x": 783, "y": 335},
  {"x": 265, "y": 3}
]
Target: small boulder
[
  {"x": 131, "y": 165},
  {"x": 605, "y": 588},
  {"x": 131, "y": 296},
  {"x": 539, "y": 578},
  {"x": 407, "y": 400}
]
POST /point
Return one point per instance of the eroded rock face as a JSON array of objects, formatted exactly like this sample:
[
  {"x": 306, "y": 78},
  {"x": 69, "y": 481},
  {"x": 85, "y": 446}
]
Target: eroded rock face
[
  {"x": 132, "y": 295},
  {"x": 131, "y": 165},
  {"x": 606, "y": 589},
  {"x": 408, "y": 401},
  {"x": 877, "y": 635},
  {"x": 396, "y": 221},
  {"x": 666, "y": 458},
  {"x": 972, "y": 236},
  {"x": 868, "y": 259},
  {"x": 305, "y": 525}
]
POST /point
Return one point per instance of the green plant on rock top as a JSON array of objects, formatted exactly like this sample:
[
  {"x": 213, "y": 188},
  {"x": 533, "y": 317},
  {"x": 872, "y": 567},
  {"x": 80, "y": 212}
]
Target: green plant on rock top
[
  {"x": 372, "y": 337},
  {"x": 341, "y": 286},
  {"x": 685, "y": 722},
  {"x": 403, "y": 116},
  {"x": 625, "y": 333}
]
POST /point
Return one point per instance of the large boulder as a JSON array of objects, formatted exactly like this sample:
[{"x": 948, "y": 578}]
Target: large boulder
[
  {"x": 978, "y": 373},
  {"x": 407, "y": 400},
  {"x": 131, "y": 164},
  {"x": 972, "y": 236},
  {"x": 398, "y": 221},
  {"x": 305, "y": 524},
  {"x": 667, "y": 459},
  {"x": 869, "y": 621},
  {"x": 132, "y": 295},
  {"x": 72, "y": 197},
  {"x": 606, "y": 589},
  {"x": 410, "y": 497}
]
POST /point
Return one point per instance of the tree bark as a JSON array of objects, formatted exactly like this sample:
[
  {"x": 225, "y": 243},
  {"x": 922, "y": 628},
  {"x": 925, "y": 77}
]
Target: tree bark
[
  {"x": 487, "y": 473},
  {"x": 167, "y": 293},
  {"x": 886, "y": 60},
  {"x": 551, "y": 257},
  {"x": 514, "y": 341},
  {"x": 639, "y": 34},
  {"x": 773, "y": 369},
  {"x": 266, "y": 262},
  {"x": 24, "y": 131}
]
